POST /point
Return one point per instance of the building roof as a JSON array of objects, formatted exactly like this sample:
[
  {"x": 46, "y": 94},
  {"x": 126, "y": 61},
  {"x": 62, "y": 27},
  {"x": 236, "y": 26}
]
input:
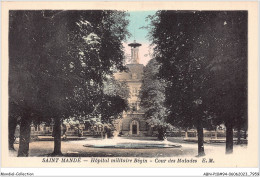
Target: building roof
[
  {"x": 135, "y": 72},
  {"x": 134, "y": 44}
]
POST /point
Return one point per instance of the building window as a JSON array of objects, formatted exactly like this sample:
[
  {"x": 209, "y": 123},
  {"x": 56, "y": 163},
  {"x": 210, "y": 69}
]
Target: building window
[
  {"x": 135, "y": 91},
  {"x": 134, "y": 106}
]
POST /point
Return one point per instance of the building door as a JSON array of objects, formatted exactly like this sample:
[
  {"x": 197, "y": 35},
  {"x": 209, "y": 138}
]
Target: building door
[{"x": 134, "y": 129}]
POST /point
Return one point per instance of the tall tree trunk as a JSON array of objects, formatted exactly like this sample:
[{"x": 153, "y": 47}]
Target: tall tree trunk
[
  {"x": 245, "y": 134},
  {"x": 229, "y": 138},
  {"x": 12, "y": 123},
  {"x": 25, "y": 130},
  {"x": 161, "y": 133},
  {"x": 200, "y": 138},
  {"x": 57, "y": 137}
]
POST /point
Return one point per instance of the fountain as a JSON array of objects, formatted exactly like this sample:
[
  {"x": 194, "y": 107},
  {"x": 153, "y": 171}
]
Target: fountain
[{"x": 122, "y": 143}]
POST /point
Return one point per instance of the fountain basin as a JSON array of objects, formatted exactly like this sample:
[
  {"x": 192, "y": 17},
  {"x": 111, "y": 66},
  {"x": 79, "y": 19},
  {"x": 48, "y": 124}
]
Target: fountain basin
[{"x": 133, "y": 145}]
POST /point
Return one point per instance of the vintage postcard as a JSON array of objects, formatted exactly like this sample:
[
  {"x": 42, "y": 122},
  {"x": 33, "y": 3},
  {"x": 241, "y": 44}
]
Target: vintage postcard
[{"x": 130, "y": 84}]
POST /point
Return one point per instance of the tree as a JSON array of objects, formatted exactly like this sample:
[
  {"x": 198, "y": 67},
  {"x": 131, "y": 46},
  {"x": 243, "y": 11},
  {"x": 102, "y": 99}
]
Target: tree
[
  {"x": 33, "y": 71},
  {"x": 177, "y": 39},
  {"x": 152, "y": 96},
  {"x": 197, "y": 52},
  {"x": 101, "y": 53},
  {"x": 96, "y": 44},
  {"x": 23, "y": 82},
  {"x": 14, "y": 113},
  {"x": 114, "y": 100},
  {"x": 73, "y": 51},
  {"x": 228, "y": 70}
]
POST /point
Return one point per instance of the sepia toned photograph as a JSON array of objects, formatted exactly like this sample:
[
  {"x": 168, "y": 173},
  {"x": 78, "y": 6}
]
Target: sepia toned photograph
[{"x": 162, "y": 87}]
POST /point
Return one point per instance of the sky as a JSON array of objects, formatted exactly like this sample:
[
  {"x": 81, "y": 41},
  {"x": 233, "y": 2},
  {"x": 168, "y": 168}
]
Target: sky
[{"x": 137, "y": 19}]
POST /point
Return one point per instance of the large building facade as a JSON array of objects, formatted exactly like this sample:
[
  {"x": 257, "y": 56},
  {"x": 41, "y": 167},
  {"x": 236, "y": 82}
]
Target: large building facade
[{"x": 132, "y": 122}]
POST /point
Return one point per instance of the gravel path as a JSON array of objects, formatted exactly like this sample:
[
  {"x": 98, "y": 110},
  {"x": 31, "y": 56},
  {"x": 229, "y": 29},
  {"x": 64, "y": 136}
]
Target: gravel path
[{"x": 76, "y": 148}]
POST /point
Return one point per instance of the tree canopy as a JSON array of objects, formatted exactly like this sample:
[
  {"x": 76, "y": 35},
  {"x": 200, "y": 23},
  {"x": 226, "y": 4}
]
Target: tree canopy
[
  {"x": 60, "y": 59},
  {"x": 203, "y": 58}
]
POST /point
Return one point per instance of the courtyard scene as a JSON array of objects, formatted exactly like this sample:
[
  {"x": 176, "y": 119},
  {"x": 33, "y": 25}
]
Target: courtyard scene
[{"x": 105, "y": 83}]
